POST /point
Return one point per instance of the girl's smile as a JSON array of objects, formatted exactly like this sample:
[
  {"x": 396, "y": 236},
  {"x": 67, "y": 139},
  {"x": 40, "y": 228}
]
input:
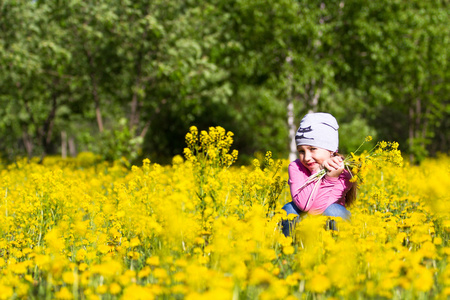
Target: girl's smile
[{"x": 313, "y": 157}]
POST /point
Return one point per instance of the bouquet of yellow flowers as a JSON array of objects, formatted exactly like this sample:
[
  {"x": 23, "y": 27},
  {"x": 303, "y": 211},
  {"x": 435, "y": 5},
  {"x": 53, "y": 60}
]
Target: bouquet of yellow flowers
[{"x": 359, "y": 165}]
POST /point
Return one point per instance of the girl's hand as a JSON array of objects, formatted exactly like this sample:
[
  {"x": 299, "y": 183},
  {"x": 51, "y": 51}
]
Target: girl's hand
[{"x": 334, "y": 166}]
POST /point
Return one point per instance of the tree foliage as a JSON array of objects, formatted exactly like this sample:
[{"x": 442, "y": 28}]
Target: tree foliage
[{"x": 126, "y": 78}]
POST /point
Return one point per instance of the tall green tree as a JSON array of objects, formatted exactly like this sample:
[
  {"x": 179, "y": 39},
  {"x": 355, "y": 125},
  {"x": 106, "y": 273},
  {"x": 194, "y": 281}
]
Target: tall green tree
[
  {"x": 32, "y": 80},
  {"x": 118, "y": 75},
  {"x": 396, "y": 54}
]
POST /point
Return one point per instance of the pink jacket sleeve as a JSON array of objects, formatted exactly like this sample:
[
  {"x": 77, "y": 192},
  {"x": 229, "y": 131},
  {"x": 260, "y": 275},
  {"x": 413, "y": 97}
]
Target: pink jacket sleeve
[{"x": 330, "y": 190}]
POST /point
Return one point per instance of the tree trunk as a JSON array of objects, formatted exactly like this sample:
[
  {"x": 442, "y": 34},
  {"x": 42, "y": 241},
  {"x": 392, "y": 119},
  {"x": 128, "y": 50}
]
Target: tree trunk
[
  {"x": 72, "y": 148},
  {"x": 145, "y": 129},
  {"x": 98, "y": 112},
  {"x": 63, "y": 144},
  {"x": 27, "y": 142},
  {"x": 135, "y": 115},
  {"x": 425, "y": 122},
  {"x": 417, "y": 119},
  {"x": 47, "y": 129},
  {"x": 314, "y": 95},
  {"x": 292, "y": 130},
  {"x": 98, "y": 115},
  {"x": 411, "y": 132},
  {"x": 421, "y": 123},
  {"x": 134, "y": 118}
]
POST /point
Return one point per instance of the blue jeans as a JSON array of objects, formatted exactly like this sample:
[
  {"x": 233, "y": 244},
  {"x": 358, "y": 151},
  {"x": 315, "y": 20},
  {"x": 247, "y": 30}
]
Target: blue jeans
[{"x": 334, "y": 210}]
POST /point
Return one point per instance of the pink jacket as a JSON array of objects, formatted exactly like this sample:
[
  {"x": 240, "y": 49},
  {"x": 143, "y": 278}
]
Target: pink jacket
[{"x": 331, "y": 189}]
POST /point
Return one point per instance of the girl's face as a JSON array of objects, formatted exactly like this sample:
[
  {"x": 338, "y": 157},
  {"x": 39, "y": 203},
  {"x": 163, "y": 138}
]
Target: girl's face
[{"x": 313, "y": 157}]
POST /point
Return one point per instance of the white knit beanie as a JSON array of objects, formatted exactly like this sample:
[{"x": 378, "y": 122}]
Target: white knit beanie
[{"x": 319, "y": 130}]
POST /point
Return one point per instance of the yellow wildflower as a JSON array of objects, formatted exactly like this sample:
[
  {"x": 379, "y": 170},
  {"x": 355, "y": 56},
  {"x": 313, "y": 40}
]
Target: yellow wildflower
[{"x": 64, "y": 294}]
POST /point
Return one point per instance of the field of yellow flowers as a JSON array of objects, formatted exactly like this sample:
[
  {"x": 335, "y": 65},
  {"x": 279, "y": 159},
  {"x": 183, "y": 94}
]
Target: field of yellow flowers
[{"x": 204, "y": 229}]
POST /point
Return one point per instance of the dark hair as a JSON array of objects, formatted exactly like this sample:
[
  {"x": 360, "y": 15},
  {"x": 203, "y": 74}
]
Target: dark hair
[{"x": 351, "y": 195}]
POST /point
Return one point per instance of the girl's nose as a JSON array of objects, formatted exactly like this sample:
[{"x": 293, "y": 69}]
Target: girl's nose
[{"x": 307, "y": 156}]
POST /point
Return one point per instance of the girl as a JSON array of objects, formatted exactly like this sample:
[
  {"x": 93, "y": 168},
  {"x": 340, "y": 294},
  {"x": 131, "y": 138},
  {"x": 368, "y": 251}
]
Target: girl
[{"x": 317, "y": 144}]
